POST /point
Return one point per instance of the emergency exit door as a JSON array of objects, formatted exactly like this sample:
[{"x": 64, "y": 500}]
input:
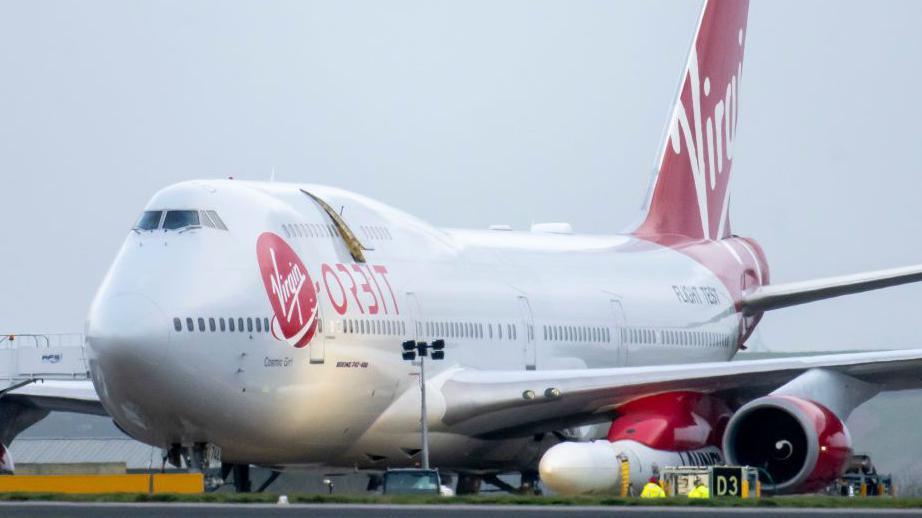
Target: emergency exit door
[
  {"x": 323, "y": 334},
  {"x": 528, "y": 331},
  {"x": 617, "y": 341},
  {"x": 414, "y": 322}
]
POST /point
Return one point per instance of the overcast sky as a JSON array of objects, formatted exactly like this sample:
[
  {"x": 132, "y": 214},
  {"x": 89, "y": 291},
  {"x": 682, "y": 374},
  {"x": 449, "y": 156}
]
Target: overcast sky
[{"x": 465, "y": 113}]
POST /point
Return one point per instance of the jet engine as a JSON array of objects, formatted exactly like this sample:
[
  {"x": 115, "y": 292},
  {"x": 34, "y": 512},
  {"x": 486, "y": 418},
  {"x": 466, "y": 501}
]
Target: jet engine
[{"x": 801, "y": 445}]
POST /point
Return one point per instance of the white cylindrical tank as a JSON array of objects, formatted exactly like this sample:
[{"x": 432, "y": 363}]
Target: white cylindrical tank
[{"x": 574, "y": 468}]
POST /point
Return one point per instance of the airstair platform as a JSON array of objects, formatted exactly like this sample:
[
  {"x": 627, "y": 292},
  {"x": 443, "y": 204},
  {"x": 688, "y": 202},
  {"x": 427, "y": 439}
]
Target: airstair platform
[{"x": 54, "y": 356}]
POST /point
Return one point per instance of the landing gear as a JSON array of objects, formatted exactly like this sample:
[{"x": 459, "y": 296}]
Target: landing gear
[
  {"x": 529, "y": 484},
  {"x": 242, "y": 482},
  {"x": 197, "y": 460},
  {"x": 468, "y": 484},
  {"x": 173, "y": 455}
]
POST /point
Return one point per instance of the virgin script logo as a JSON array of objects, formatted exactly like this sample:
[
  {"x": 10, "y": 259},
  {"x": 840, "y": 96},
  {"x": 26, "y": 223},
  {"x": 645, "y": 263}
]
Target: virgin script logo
[
  {"x": 291, "y": 292},
  {"x": 709, "y": 132}
]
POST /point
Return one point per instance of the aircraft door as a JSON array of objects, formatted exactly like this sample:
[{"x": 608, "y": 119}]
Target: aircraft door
[
  {"x": 528, "y": 330},
  {"x": 325, "y": 333},
  {"x": 616, "y": 337},
  {"x": 414, "y": 325}
]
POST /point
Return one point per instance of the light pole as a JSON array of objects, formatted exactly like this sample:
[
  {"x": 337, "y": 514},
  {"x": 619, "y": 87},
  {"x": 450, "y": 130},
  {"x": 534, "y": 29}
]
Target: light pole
[{"x": 412, "y": 349}]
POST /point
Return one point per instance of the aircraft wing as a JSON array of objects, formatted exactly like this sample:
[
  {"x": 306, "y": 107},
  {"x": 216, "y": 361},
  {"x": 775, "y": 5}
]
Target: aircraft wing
[
  {"x": 497, "y": 404},
  {"x": 56, "y": 395},
  {"x": 776, "y": 296}
]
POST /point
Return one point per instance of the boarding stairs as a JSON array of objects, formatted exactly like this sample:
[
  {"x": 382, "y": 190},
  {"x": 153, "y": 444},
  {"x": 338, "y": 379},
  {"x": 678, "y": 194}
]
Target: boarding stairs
[{"x": 34, "y": 357}]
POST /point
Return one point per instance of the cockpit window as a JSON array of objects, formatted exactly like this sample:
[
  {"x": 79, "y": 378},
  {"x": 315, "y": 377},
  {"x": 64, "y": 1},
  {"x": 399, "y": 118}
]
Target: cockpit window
[
  {"x": 180, "y": 218},
  {"x": 150, "y": 220},
  {"x": 206, "y": 219},
  {"x": 217, "y": 220}
]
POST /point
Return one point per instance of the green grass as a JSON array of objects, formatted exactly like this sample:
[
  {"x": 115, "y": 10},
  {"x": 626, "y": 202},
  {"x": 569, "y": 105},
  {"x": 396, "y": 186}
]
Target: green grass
[{"x": 789, "y": 501}]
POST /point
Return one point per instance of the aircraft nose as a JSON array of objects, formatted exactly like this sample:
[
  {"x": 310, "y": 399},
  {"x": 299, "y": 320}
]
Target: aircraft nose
[{"x": 128, "y": 326}]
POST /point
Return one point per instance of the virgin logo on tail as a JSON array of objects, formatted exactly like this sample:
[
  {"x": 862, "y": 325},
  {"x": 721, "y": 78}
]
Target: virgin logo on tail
[
  {"x": 291, "y": 292},
  {"x": 691, "y": 194},
  {"x": 706, "y": 150}
]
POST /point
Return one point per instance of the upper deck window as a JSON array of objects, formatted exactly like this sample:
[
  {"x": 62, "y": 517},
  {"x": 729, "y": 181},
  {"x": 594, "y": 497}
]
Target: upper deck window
[
  {"x": 180, "y": 218},
  {"x": 150, "y": 220}
]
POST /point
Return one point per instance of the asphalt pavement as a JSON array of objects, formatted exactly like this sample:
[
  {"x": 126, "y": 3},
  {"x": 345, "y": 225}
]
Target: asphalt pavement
[{"x": 145, "y": 510}]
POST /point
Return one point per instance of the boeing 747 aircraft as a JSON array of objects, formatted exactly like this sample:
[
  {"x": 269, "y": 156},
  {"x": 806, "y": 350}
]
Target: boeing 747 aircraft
[{"x": 264, "y": 321}]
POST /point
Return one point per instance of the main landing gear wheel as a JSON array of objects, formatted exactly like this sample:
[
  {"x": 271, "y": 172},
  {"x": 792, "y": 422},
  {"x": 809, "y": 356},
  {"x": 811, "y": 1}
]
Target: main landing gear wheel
[{"x": 468, "y": 484}]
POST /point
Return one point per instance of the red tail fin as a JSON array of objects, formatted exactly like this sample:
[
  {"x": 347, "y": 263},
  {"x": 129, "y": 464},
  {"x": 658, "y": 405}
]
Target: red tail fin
[{"x": 691, "y": 192}]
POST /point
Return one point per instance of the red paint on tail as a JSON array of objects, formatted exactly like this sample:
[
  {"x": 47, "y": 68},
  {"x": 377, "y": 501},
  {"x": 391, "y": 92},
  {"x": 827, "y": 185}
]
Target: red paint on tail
[{"x": 690, "y": 195}]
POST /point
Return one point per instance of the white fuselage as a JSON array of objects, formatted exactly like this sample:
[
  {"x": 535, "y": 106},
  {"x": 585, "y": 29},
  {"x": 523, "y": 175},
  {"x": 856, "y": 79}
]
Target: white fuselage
[{"x": 501, "y": 300}]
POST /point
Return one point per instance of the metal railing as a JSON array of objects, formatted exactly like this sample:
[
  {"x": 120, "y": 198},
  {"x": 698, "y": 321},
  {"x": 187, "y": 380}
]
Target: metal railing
[{"x": 60, "y": 356}]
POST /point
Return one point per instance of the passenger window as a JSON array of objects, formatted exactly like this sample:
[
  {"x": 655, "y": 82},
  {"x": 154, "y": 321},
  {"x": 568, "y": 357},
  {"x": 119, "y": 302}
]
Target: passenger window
[
  {"x": 177, "y": 324},
  {"x": 249, "y": 324},
  {"x": 150, "y": 220},
  {"x": 259, "y": 325},
  {"x": 240, "y": 324},
  {"x": 176, "y": 219},
  {"x": 221, "y": 324},
  {"x": 201, "y": 325},
  {"x": 211, "y": 325},
  {"x": 230, "y": 322},
  {"x": 189, "y": 324},
  {"x": 287, "y": 233},
  {"x": 266, "y": 324}
]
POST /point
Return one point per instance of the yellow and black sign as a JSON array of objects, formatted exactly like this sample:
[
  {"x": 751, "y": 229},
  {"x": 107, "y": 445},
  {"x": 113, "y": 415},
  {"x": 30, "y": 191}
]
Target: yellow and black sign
[{"x": 727, "y": 482}]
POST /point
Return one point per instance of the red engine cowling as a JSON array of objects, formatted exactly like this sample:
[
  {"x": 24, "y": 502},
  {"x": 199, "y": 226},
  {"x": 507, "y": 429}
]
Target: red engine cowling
[{"x": 802, "y": 445}]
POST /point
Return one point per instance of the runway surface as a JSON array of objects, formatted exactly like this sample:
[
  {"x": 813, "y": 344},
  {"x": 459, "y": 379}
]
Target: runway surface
[{"x": 144, "y": 510}]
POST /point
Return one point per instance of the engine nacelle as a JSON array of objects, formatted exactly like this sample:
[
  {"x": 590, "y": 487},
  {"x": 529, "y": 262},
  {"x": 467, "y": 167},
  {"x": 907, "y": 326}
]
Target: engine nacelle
[
  {"x": 6, "y": 461},
  {"x": 575, "y": 468},
  {"x": 803, "y": 445}
]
